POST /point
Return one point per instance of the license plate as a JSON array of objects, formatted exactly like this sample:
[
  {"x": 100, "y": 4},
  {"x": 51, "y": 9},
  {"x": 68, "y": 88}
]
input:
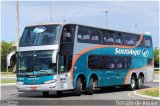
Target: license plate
[{"x": 33, "y": 88}]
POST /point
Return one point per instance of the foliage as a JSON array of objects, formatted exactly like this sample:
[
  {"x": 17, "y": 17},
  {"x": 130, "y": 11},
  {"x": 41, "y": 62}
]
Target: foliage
[
  {"x": 6, "y": 47},
  {"x": 156, "y": 58}
]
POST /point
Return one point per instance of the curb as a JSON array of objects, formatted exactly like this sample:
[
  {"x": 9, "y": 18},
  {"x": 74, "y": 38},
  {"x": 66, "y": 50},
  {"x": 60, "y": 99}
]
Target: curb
[
  {"x": 8, "y": 84},
  {"x": 144, "y": 96},
  {"x": 156, "y": 81}
]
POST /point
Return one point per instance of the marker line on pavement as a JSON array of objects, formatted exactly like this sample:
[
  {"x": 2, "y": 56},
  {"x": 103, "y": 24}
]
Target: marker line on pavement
[{"x": 131, "y": 94}]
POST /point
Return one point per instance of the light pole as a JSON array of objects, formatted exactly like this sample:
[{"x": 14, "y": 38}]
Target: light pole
[
  {"x": 106, "y": 18},
  {"x": 17, "y": 24},
  {"x": 50, "y": 7}
]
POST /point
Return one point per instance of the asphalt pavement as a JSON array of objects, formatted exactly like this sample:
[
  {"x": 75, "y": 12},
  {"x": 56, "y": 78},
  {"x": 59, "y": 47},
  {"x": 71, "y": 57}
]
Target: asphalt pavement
[{"x": 9, "y": 92}]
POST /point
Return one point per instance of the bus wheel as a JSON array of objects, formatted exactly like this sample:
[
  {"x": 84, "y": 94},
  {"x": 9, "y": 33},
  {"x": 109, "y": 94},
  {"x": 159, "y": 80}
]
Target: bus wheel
[
  {"x": 45, "y": 93},
  {"x": 92, "y": 85},
  {"x": 140, "y": 82},
  {"x": 59, "y": 93},
  {"x": 133, "y": 83},
  {"x": 78, "y": 87}
]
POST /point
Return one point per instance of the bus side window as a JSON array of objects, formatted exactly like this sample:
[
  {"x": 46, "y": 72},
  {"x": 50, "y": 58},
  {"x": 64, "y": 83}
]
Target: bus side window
[
  {"x": 137, "y": 37},
  {"x": 95, "y": 36},
  {"x": 83, "y": 34},
  {"x": 120, "y": 63},
  {"x": 130, "y": 40},
  {"x": 129, "y": 62},
  {"x": 109, "y": 37},
  {"x": 96, "y": 62},
  {"x": 111, "y": 62},
  {"x": 119, "y": 39},
  {"x": 147, "y": 41},
  {"x": 141, "y": 43},
  {"x": 68, "y": 33}
]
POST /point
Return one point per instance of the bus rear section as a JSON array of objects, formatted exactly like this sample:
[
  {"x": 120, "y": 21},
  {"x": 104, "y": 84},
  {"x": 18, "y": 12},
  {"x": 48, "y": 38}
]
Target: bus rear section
[{"x": 104, "y": 58}]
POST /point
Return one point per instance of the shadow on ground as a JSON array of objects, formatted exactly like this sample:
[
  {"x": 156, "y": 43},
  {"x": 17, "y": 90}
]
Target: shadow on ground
[{"x": 71, "y": 93}]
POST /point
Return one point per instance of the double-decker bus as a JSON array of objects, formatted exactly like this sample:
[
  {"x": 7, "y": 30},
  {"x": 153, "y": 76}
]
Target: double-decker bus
[{"x": 66, "y": 56}]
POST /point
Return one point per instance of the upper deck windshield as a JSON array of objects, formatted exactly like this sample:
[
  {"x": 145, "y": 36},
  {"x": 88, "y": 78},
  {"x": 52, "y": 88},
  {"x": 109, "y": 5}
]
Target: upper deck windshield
[{"x": 40, "y": 35}]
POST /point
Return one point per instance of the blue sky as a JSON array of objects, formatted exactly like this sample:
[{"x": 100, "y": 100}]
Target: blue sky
[{"x": 122, "y": 15}]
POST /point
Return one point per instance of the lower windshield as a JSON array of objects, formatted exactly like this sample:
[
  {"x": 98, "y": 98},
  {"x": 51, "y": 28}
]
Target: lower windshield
[{"x": 36, "y": 63}]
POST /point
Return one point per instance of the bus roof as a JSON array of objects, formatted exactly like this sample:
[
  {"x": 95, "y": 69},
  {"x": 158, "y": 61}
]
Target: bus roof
[{"x": 64, "y": 23}]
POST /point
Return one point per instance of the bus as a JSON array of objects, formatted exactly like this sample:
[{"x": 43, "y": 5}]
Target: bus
[{"x": 67, "y": 56}]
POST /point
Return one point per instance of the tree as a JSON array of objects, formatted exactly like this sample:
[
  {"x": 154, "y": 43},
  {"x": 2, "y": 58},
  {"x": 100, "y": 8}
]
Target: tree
[
  {"x": 6, "y": 47},
  {"x": 156, "y": 58}
]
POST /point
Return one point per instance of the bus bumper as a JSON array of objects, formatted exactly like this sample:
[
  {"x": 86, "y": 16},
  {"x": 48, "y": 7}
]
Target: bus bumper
[{"x": 39, "y": 87}]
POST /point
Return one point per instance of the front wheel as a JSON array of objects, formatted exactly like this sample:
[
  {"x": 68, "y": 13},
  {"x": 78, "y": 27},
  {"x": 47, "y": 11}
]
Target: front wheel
[{"x": 78, "y": 87}]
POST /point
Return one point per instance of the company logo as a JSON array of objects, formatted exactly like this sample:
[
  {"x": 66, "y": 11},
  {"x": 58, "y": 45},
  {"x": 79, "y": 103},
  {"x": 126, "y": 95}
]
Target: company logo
[
  {"x": 127, "y": 51},
  {"x": 39, "y": 29},
  {"x": 145, "y": 52}
]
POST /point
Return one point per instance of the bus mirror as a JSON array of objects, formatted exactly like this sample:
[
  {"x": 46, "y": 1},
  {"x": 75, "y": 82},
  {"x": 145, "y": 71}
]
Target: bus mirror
[
  {"x": 54, "y": 56},
  {"x": 9, "y": 56}
]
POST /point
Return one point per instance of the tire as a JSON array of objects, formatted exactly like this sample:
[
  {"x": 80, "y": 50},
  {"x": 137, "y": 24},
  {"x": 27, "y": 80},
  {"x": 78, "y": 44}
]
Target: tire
[
  {"x": 92, "y": 85},
  {"x": 90, "y": 89},
  {"x": 133, "y": 83},
  {"x": 78, "y": 87},
  {"x": 59, "y": 93},
  {"x": 45, "y": 93},
  {"x": 140, "y": 82}
]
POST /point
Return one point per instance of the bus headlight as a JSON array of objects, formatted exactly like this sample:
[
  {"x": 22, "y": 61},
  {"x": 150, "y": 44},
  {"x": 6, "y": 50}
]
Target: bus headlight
[
  {"x": 51, "y": 81},
  {"x": 20, "y": 83}
]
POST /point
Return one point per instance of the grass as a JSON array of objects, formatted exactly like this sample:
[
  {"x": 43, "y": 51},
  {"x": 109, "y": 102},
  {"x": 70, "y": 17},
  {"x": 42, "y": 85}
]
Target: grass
[
  {"x": 8, "y": 74},
  {"x": 156, "y": 72},
  {"x": 154, "y": 92},
  {"x": 7, "y": 81}
]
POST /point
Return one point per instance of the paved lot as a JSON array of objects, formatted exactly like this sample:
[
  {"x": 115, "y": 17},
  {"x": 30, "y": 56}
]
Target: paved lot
[{"x": 10, "y": 93}]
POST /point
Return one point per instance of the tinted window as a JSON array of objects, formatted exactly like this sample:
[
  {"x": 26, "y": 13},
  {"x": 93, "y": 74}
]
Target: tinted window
[
  {"x": 109, "y": 37},
  {"x": 95, "y": 36},
  {"x": 65, "y": 63},
  {"x": 40, "y": 35},
  {"x": 123, "y": 62},
  {"x": 68, "y": 33},
  {"x": 119, "y": 39},
  {"x": 108, "y": 62},
  {"x": 130, "y": 40},
  {"x": 141, "y": 43},
  {"x": 96, "y": 62},
  {"x": 136, "y": 37},
  {"x": 83, "y": 34},
  {"x": 147, "y": 41},
  {"x": 111, "y": 63}
]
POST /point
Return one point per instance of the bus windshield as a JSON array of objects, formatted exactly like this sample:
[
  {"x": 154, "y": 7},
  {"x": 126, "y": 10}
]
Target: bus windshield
[
  {"x": 35, "y": 63},
  {"x": 40, "y": 35}
]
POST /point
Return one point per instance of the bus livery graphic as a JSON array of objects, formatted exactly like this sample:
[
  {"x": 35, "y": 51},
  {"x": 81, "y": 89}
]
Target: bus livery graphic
[{"x": 60, "y": 56}]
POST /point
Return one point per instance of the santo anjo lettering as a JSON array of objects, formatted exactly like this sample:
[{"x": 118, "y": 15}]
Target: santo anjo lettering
[{"x": 127, "y": 51}]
